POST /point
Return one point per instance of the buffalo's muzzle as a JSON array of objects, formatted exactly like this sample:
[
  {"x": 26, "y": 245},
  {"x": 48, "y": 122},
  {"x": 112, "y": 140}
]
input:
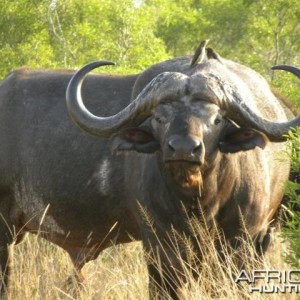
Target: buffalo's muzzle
[{"x": 185, "y": 174}]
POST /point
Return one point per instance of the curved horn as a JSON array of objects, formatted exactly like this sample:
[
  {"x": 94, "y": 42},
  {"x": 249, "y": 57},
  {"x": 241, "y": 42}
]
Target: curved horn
[
  {"x": 232, "y": 97},
  {"x": 164, "y": 87},
  {"x": 237, "y": 110},
  {"x": 292, "y": 69}
]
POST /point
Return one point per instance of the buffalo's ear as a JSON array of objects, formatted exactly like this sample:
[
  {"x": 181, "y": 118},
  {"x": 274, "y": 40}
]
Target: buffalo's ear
[
  {"x": 135, "y": 139},
  {"x": 242, "y": 139}
]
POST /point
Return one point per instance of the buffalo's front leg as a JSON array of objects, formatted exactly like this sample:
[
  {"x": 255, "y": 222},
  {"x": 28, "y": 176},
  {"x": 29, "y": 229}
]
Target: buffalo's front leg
[
  {"x": 165, "y": 267},
  {"x": 161, "y": 284}
]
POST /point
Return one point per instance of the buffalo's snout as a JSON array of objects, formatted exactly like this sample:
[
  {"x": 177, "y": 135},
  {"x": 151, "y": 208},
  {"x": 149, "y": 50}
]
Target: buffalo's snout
[{"x": 185, "y": 148}]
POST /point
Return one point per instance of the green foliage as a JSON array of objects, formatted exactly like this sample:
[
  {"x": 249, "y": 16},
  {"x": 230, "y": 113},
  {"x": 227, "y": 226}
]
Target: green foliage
[
  {"x": 112, "y": 30},
  {"x": 291, "y": 232},
  {"x": 273, "y": 33},
  {"x": 182, "y": 24},
  {"x": 23, "y": 38},
  {"x": 293, "y": 149},
  {"x": 70, "y": 33},
  {"x": 138, "y": 33},
  {"x": 259, "y": 33}
]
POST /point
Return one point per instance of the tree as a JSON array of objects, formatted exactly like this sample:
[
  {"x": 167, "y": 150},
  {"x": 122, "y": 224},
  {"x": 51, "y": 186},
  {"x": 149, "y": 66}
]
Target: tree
[
  {"x": 24, "y": 39},
  {"x": 136, "y": 34},
  {"x": 274, "y": 38},
  {"x": 257, "y": 33},
  {"x": 65, "y": 33}
]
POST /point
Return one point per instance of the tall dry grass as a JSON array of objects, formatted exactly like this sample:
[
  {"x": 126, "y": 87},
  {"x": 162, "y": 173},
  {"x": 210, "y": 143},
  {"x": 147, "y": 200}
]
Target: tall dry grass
[{"x": 40, "y": 271}]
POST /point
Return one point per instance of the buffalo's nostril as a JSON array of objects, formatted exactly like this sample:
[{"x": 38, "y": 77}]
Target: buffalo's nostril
[
  {"x": 172, "y": 145},
  {"x": 197, "y": 149},
  {"x": 171, "y": 148}
]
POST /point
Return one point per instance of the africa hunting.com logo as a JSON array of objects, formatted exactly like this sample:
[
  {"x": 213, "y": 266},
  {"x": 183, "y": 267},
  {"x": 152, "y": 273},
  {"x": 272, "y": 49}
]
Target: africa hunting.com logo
[{"x": 270, "y": 281}]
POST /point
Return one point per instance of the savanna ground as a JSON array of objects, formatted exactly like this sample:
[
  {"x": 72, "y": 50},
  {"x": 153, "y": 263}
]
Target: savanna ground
[{"x": 40, "y": 271}]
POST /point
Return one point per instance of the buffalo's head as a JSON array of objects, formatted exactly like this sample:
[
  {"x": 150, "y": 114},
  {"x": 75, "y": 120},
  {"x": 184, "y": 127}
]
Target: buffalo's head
[{"x": 188, "y": 118}]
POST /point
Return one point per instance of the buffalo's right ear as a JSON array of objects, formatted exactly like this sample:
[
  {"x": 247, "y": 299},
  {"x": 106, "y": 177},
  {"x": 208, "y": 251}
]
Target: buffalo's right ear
[
  {"x": 135, "y": 139},
  {"x": 242, "y": 139}
]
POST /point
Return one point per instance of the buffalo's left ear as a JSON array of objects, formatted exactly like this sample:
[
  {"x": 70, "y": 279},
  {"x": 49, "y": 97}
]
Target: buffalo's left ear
[
  {"x": 242, "y": 139},
  {"x": 135, "y": 139}
]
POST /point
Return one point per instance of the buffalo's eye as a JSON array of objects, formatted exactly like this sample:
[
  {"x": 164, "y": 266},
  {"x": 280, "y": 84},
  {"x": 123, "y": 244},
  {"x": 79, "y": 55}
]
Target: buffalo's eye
[{"x": 217, "y": 121}]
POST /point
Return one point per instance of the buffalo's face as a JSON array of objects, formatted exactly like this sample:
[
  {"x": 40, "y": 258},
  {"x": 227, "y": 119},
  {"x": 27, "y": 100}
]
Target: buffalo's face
[
  {"x": 189, "y": 134},
  {"x": 187, "y": 131}
]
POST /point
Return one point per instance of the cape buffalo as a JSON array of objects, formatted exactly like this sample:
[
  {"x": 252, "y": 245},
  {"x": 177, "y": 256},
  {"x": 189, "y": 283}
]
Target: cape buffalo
[
  {"x": 210, "y": 131},
  {"x": 195, "y": 135}
]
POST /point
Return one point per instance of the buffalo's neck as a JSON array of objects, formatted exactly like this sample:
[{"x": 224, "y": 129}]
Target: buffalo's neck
[
  {"x": 219, "y": 182},
  {"x": 167, "y": 203}
]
